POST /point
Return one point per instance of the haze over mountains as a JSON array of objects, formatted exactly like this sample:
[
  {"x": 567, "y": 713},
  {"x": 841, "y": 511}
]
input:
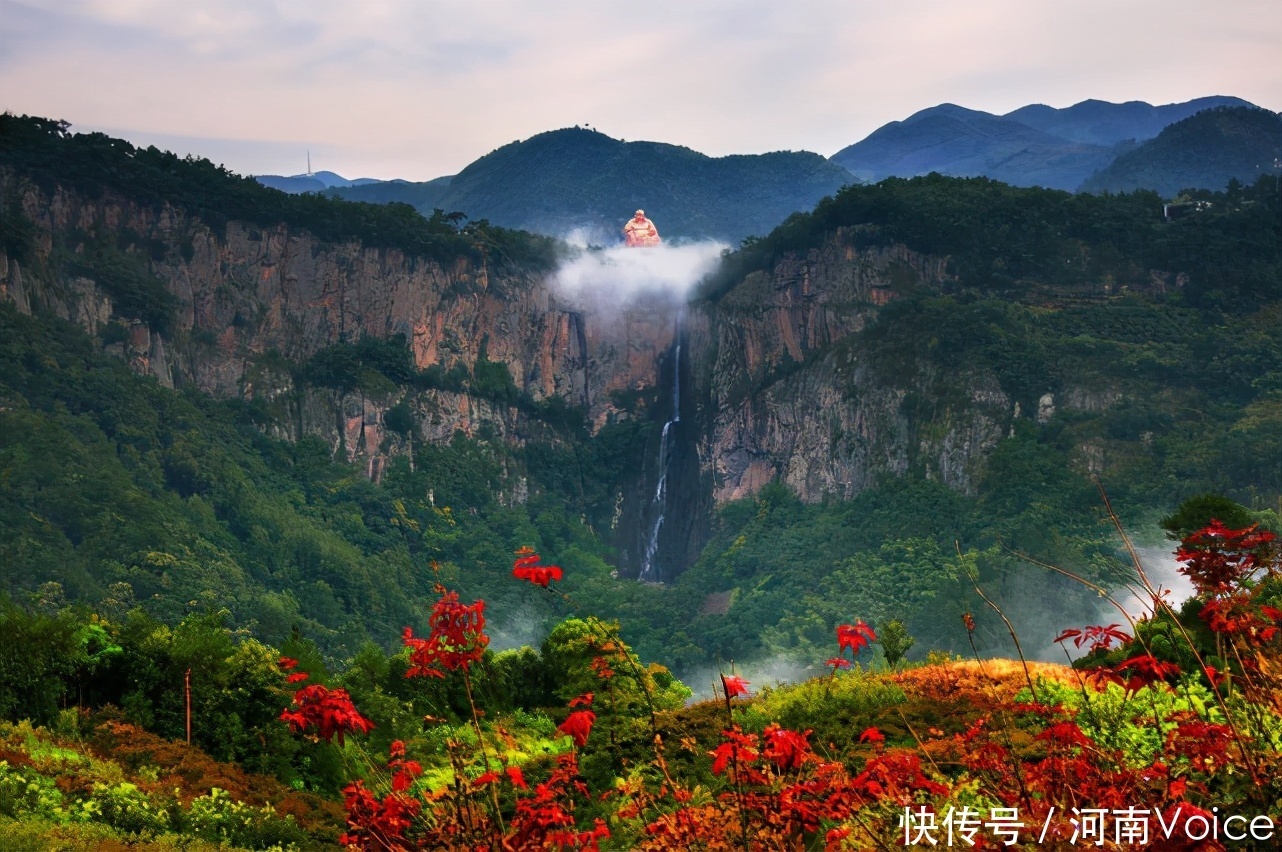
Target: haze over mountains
[
  {"x": 1102, "y": 123},
  {"x": 1035, "y": 145},
  {"x": 576, "y": 178},
  {"x": 311, "y": 182}
]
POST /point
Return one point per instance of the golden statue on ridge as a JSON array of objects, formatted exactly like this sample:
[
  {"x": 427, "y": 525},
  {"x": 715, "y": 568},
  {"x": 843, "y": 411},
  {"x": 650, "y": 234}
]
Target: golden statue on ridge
[{"x": 640, "y": 232}]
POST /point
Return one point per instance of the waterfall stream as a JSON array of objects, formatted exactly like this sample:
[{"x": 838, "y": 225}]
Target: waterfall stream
[{"x": 659, "y": 504}]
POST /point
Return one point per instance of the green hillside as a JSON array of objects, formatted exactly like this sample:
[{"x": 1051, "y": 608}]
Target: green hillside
[
  {"x": 558, "y": 181},
  {"x": 47, "y": 152},
  {"x": 1204, "y": 151}
]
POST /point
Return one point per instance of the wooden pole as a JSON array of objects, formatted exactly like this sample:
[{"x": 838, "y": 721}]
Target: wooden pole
[{"x": 187, "y": 689}]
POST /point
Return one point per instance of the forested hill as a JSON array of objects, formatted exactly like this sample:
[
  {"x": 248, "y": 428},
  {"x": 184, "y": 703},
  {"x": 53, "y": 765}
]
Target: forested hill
[
  {"x": 576, "y": 178},
  {"x": 1022, "y": 242},
  {"x": 364, "y": 343},
  {"x": 1203, "y": 151},
  {"x": 49, "y": 154}
]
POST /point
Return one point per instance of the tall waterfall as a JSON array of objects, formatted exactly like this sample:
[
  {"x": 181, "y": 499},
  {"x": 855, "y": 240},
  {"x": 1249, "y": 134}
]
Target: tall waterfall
[{"x": 659, "y": 504}]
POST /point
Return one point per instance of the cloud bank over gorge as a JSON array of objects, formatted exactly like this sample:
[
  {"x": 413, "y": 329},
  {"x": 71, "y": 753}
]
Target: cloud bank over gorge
[{"x": 618, "y": 276}]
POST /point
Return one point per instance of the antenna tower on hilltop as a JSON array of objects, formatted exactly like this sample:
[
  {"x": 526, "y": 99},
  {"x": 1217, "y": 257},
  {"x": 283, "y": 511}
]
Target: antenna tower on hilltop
[{"x": 309, "y": 164}]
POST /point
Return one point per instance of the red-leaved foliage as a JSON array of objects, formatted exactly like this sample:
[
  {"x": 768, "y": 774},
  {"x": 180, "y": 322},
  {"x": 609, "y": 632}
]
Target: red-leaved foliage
[
  {"x": 328, "y": 713},
  {"x": 1218, "y": 560},
  {"x": 546, "y": 819},
  {"x": 736, "y": 747},
  {"x": 601, "y": 668},
  {"x": 1040, "y": 758},
  {"x": 855, "y": 636},
  {"x": 1239, "y": 614},
  {"x": 896, "y": 776},
  {"x": 786, "y": 749},
  {"x": 578, "y": 725},
  {"x": 1135, "y": 673},
  {"x": 1099, "y": 638},
  {"x": 457, "y": 637},
  {"x": 1204, "y": 744},
  {"x": 527, "y": 568},
  {"x": 734, "y": 686},
  {"x": 374, "y": 823}
]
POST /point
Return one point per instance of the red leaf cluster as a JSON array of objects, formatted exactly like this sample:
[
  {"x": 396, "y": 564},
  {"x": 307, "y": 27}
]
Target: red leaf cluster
[
  {"x": 1218, "y": 560},
  {"x": 328, "y": 712},
  {"x": 374, "y": 823},
  {"x": 403, "y": 771},
  {"x": 546, "y": 819},
  {"x": 734, "y": 686},
  {"x": 1238, "y": 614},
  {"x": 1100, "y": 638},
  {"x": 527, "y": 568},
  {"x": 1135, "y": 673},
  {"x": 457, "y": 637},
  {"x": 855, "y": 636},
  {"x": 786, "y": 749},
  {"x": 601, "y": 668},
  {"x": 736, "y": 747},
  {"x": 1204, "y": 744},
  {"x": 896, "y": 776},
  {"x": 578, "y": 725}
]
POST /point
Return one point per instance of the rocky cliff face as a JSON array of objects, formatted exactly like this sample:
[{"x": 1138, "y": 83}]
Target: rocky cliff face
[
  {"x": 790, "y": 386},
  {"x": 252, "y": 302}
]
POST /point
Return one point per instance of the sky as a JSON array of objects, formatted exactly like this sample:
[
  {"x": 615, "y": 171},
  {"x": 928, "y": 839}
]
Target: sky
[{"x": 417, "y": 89}]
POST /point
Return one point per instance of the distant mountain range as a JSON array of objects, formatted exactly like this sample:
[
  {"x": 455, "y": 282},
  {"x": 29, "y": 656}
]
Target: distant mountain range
[
  {"x": 578, "y": 178},
  {"x": 314, "y": 182},
  {"x": 962, "y": 142},
  {"x": 1102, "y": 123},
  {"x": 1035, "y": 145}
]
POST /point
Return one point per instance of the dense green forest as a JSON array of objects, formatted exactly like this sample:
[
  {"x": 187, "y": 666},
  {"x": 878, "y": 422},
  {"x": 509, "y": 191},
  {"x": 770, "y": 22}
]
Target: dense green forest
[
  {"x": 118, "y": 488},
  {"x": 1021, "y": 243},
  {"x": 1203, "y": 150},
  {"x": 126, "y": 493},
  {"x": 45, "y": 151}
]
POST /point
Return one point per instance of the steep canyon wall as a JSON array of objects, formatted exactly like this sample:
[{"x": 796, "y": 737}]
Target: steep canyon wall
[
  {"x": 251, "y": 303},
  {"x": 792, "y": 383}
]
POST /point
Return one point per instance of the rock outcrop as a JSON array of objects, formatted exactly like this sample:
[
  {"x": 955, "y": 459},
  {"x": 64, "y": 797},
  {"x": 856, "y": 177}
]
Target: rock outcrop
[
  {"x": 791, "y": 391},
  {"x": 253, "y": 303}
]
